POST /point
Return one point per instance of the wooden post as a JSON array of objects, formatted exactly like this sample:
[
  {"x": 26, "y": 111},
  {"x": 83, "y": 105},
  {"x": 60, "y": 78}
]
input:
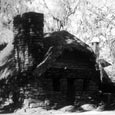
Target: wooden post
[{"x": 95, "y": 46}]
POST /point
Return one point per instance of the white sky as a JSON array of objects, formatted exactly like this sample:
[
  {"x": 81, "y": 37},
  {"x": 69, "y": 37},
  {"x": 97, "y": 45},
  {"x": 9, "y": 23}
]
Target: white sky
[
  {"x": 54, "y": 5},
  {"x": 101, "y": 3},
  {"x": 98, "y": 3}
]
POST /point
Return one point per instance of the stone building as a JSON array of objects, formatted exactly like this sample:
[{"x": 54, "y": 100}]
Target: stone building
[{"x": 63, "y": 65}]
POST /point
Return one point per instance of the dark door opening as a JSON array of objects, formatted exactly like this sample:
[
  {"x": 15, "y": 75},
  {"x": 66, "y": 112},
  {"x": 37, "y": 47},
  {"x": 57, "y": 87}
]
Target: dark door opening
[
  {"x": 56, "y": 84},
  {"x": 70, "y": 91}
]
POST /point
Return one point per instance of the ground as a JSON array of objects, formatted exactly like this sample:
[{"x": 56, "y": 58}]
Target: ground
[
  {"x": 53, "y": 112},
  {"x": 88, "y": 109}
]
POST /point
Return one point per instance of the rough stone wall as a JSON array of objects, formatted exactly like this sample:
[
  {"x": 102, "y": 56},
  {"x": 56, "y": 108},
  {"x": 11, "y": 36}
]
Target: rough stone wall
[{"x": 28, "y": 30}]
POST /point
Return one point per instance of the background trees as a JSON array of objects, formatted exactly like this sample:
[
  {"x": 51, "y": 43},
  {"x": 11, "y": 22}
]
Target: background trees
[{"x": 83, "y": 18}]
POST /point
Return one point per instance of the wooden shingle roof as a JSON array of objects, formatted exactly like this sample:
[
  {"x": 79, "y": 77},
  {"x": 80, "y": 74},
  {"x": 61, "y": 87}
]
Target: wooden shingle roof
[{"x": 56, "y": 43}]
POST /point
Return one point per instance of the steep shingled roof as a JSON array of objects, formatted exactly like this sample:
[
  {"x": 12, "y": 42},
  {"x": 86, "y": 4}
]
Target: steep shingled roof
[{"x": 55, "y": 43}]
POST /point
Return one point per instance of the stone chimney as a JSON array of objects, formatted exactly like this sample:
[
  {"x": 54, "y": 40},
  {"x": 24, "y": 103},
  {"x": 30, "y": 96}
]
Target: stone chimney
[{"x": 28, "y": 30}]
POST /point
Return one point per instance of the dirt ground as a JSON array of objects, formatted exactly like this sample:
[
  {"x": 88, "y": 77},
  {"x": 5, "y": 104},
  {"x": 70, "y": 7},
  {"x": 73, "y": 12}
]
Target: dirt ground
[
  {"x": 52, "y": 112},
  {"x": 62, "y": 111}
]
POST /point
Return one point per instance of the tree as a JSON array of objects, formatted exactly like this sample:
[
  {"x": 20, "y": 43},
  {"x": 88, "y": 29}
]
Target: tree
[{"x": 66, "y": 8}]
